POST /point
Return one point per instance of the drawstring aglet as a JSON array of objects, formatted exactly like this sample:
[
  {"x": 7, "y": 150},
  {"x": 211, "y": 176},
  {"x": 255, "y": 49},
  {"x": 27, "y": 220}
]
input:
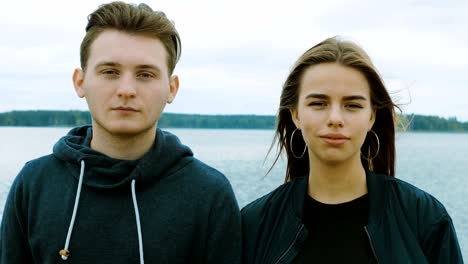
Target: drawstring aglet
[{"x": 64, "y": 253}]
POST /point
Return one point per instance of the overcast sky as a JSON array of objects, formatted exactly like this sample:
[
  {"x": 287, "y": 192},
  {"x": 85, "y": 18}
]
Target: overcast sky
[{"x": 236, "y": 54}]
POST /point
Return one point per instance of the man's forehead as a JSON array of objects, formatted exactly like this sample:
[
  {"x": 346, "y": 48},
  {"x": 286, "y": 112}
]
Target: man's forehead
[
  {"x": 120, "y": 65},
  {"x": 129, "y": 50}
]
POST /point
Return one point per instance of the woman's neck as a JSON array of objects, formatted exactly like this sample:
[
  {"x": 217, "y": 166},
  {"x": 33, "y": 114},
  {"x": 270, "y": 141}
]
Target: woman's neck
[{"x": 337, "y": 183}]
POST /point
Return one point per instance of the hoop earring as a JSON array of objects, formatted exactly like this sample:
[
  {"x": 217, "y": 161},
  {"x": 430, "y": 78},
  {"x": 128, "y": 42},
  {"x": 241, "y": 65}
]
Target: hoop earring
[
  {"x": 291, "y": 146},
  {"x": 378, "y": 148}
]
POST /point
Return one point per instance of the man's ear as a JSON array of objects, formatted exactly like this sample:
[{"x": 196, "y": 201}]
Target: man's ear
[
  {"x": 78, "y": 79},
  {"x": 295, "y": 117},
  {"x": 173, "y": 88}
]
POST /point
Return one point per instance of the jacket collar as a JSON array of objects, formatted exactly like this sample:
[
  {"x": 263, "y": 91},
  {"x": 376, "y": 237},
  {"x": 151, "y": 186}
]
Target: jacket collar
[
  {"x": 375, "y": 185},
  {"x": 299, "y": 186}
]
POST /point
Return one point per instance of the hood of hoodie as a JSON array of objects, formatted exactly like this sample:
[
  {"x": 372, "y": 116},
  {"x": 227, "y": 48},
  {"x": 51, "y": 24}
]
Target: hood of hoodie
[{"x": 165, "y": 156}]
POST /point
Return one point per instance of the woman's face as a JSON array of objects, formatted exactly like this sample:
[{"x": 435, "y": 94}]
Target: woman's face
[{"x": 334, "y": 112}]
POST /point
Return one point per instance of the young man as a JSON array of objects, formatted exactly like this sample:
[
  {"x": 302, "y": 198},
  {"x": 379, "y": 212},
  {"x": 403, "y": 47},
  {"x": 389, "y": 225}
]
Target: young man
[{"x": 122, "y": 190}]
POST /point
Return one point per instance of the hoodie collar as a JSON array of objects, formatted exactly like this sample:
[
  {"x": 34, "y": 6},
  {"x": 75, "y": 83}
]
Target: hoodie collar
[{"x": 166, "y": 155}]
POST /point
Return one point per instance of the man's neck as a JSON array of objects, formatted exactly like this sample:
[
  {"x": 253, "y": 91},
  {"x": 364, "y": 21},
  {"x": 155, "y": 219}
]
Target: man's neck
[
  {"x": 337, "y": 183},
  {"x": 124, "y": 147}
]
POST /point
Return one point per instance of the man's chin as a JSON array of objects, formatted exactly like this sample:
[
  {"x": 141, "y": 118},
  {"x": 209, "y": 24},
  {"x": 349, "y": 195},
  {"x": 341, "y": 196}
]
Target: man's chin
[
  {"x": 128, "y": 130},
  {"x": 124, "y": 128}
]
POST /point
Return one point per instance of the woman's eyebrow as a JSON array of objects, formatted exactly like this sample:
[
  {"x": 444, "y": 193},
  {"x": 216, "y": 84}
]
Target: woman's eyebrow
[
  {"x": 354, "y": 97},
  {"x": 345, "y": 98},
  {"x": 317, "y": 96}
]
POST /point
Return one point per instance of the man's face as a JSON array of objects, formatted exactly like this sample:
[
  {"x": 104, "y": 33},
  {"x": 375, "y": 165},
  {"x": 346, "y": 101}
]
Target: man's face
[{"x": 126, "y": 83}]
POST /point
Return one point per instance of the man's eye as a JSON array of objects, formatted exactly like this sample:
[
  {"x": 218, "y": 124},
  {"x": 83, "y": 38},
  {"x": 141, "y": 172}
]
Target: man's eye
[
  {"x": 145, "y": 75},
  {"x": 109, "y": 72}
]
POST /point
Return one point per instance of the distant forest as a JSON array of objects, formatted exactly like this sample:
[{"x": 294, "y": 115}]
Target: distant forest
[{"x": 170, "y": 120}]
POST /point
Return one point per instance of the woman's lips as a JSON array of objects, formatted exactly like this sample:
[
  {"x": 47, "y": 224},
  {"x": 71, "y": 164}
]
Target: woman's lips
[{"x": 334, "y": 139}]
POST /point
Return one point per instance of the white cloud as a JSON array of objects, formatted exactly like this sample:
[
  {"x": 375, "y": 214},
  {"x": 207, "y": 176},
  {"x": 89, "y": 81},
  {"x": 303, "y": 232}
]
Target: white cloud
[{"x": 236, "y": 54}]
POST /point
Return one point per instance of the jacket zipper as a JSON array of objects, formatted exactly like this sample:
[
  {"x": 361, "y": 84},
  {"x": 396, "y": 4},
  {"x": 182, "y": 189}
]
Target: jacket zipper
[
  {"x": 371, "y": 245},
  {"x": 291, "y": 245}
]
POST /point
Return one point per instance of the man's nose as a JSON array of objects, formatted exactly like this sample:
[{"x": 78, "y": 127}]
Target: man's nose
[{"x": 126, "y": 86}]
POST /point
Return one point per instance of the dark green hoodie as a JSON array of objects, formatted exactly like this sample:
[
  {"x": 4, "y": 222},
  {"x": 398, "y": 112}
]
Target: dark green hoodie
[{"x": 184, "y": 210}]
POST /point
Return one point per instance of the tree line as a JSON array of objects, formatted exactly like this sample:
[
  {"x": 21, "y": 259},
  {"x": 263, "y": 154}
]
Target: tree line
[
  {"x": 411, "y": 122},
  {"x": 435, "y": 123},
  {"x": 167, "y": 120}
]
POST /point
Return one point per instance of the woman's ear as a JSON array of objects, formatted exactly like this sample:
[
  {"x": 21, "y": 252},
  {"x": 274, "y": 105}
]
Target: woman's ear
[
  {"x": 372, "y": 118},
  {"x": 295, "y": 118}
]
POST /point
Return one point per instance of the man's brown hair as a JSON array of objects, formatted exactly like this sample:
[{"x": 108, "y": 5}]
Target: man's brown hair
[{"x": 132, "y": 19}]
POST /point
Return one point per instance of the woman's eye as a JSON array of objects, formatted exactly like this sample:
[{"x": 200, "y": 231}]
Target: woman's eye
[
  {"x": 318, "y": 104},
  {"x": 354, "y": 106}
]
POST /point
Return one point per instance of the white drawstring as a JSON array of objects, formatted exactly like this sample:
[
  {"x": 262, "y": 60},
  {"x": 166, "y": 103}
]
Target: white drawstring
[
  {"x": 137, "y": 217},
  {"x": 65, "y": 252}
]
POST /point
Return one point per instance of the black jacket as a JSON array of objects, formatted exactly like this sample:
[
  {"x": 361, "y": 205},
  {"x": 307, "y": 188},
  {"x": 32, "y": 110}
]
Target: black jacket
[
  {"x": 406, "y": 224},
  {"x": 187, "y": 210}
]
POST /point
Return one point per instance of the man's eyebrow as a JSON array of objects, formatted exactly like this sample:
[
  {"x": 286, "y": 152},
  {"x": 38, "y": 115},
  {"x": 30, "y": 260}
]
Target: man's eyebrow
[
  {"x": 148, "y": 66},
  {"x": 107, "y": 63},
  {"x": 115, "y": 64}
]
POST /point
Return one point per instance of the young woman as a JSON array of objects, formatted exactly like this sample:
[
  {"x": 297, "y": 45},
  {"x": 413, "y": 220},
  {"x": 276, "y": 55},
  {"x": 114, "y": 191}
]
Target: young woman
[{"x": 341, "y": 202}]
